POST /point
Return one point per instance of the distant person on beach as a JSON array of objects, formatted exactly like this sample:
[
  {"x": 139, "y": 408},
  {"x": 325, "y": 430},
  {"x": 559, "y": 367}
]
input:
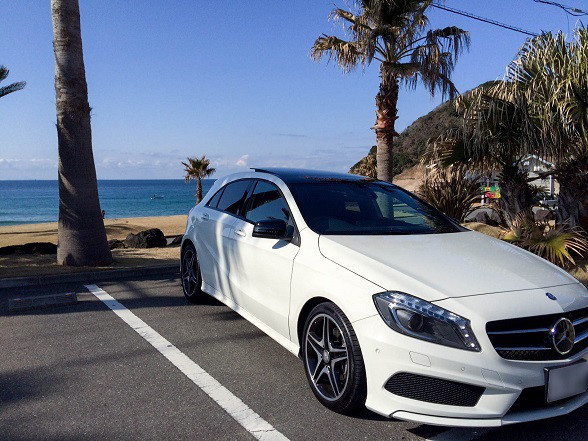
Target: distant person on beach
[{"x": 103, "y": 214}]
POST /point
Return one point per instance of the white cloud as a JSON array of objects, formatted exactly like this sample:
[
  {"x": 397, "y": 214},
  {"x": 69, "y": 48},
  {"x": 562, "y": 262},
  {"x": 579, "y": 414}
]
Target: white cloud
[
  {"x": 167, "y": 164},
  {"x": 242, "y": 161},
  {"x": 30, "y": 163}
]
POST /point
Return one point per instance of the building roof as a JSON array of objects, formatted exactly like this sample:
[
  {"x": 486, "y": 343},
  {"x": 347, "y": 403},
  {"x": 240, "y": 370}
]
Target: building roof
[
  {"x": 539, "y": 159},
  {"x": 295, "y": 175}
]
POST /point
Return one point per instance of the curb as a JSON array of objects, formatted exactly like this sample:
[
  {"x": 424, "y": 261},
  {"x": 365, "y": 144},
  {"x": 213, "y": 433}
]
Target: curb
[{"x": 89, "y": 277}]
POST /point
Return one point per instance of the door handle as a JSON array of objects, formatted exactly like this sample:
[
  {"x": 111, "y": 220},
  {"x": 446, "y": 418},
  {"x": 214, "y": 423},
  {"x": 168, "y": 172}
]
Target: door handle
[
  {"x": 204, "y": 217},
  {"x": 240, "y": 233}
]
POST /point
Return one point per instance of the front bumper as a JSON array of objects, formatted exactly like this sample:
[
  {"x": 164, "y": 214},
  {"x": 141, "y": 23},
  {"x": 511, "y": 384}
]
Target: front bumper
[
  {"x": 387, "y": 353},
  {"x": 509, "y": 418}
]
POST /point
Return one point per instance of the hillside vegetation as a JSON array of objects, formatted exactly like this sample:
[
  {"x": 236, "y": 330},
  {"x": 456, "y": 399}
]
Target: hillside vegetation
[{"x": 412, "y": 142}]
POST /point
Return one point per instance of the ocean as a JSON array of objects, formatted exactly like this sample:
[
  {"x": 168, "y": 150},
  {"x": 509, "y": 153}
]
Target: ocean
[{"x": 38, "y": 201}]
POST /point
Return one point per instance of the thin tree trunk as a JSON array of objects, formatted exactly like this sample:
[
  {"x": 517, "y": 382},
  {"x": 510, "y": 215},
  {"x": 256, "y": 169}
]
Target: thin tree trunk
[
  {"x": 81, "y": 234},
  {"x": 386, "y": 116},
  {"x": 198, "y": 189}
]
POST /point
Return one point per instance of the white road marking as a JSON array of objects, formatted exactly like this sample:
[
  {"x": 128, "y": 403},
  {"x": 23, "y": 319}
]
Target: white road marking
[{"x": 236, "y": 408}]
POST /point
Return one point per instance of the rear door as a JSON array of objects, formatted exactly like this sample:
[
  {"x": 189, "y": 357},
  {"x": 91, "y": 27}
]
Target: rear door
[
  {"x": 216, "y": 224},
  {"x": 264, "y": 266}
]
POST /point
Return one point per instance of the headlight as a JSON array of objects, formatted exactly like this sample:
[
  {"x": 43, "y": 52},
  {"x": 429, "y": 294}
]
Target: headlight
[{"x": 420, "y": 319}]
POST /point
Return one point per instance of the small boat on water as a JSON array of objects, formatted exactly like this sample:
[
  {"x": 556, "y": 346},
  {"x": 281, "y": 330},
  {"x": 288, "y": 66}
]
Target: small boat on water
[{"x": 156, "y": 196}]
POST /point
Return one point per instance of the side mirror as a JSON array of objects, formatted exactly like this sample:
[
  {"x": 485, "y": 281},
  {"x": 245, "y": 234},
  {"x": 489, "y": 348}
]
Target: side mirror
[{"x": 271, "y": 229}]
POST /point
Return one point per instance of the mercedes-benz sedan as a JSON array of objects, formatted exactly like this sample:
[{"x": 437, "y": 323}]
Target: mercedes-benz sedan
[{"x": 389, "y": 303}]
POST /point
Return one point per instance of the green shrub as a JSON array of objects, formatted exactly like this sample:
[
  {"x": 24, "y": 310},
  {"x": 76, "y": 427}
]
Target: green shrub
[
  {"x": 557, "y": 243},
  {"x": 452, "y": 191}
]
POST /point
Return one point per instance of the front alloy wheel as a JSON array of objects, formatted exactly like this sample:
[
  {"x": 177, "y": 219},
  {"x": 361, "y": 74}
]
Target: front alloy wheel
[
  {"x": 190, "y": 274},
  {"x": 332, "y": 359}
]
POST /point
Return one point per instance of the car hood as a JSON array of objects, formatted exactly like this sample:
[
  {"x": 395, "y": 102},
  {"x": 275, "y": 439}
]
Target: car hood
[{"x": 438, "y": 266}]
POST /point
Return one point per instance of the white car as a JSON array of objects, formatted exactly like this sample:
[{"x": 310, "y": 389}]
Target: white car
[{"x": 389, "y": 303}]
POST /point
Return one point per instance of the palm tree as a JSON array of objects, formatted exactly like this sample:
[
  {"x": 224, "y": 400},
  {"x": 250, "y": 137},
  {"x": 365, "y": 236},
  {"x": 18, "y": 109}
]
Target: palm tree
[
  {"x": 490, "y": 139},
  {"x": 541, "y": 108},
  {"x": 81, "y": 234},
  {"x": 548, "y": 81},
  {"x": 394, "y": 33},
  {"x": 198, "y": 168},
  {"x": 11, "y": 87}
]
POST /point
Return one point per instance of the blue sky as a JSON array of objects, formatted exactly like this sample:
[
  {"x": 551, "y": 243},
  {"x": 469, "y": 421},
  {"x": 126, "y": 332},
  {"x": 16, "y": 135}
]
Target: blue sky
[{"x": 229, "y": 79}]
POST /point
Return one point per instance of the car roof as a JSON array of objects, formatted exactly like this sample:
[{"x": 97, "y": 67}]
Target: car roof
[{"x": 298, "y": 175}]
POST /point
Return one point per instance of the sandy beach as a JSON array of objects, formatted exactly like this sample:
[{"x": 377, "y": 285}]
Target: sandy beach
[
  {"x": 115, "y": 229},
  {"x": 28, "y": 265}
]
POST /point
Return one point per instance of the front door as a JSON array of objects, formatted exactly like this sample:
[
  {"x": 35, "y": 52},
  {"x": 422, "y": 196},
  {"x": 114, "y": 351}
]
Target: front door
[{"x": 264, "y": 266}]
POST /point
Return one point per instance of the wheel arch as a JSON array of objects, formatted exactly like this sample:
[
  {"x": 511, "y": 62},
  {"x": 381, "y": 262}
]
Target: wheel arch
[
  {"x": 304, "y": 313},
  {"x": 185, "y": 244}
]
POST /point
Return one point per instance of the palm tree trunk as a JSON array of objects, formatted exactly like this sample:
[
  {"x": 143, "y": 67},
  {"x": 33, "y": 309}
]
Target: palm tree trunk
[
  {"x": 81, "y": 234},
  {"x": 386, "y": 116},
  {"x": 584, "y": 213},
  {"x": 573, "y": 184},
  {"x": 568, "y": 207},
  {"x": 515, "y": 194},
  {"x": 572, "y": 189},
  {"x": 198, "y": 189}
]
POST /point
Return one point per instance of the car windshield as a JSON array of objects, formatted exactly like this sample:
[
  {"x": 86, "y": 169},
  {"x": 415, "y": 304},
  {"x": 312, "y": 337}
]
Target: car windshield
[{"x": 366, "y": 207}]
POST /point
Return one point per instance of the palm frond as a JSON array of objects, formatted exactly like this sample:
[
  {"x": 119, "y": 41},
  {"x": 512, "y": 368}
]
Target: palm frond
[
  {"x": 11, "y": 87},
  {"x": 400, "y": 70},
  {"x": 451, "y": 38},
  {"x": 557, "y": 244},
  {"x": 347, "y": 54},
  {"x": 435, "y": 68},
  {"x": 446, "y": 150},
  {"x": 549, "y": 79},
  {"x": 394, "y": 32},
  {"x": 197, "y": 168}
]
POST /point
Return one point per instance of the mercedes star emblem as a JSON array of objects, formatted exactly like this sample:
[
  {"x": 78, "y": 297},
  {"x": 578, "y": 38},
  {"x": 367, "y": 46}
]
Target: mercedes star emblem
[{"x": 562, "y": 336}]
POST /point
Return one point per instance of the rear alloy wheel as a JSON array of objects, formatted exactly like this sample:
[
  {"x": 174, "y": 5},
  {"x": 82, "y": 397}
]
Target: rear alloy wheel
[
  {"x": 190, "y": 273},
  {"x": 332, "y": 359}
]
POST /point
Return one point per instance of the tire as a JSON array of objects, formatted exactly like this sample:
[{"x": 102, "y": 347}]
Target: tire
[
  {"x": 339, "y": 384},
  {"x": 191, "y": 278}
]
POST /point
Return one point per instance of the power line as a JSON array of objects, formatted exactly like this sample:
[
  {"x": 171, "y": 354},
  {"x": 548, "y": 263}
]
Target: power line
[
  {"x": 569, "y": 9},
  {"x": 485, "y": 20}
]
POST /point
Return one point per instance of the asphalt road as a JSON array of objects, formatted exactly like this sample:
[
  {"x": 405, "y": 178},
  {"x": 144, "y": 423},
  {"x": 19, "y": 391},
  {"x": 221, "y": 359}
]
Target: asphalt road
[{"x": 81, "y": 372}]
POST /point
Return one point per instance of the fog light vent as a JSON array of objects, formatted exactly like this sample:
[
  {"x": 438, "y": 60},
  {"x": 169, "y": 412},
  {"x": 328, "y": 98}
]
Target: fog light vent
[{"x": 434, "y": 390}]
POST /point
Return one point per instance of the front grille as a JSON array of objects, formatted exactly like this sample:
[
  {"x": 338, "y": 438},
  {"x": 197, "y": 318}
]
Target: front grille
[
  {"x": 528, "y": 338},
  {"x": 434, "y": 390}
]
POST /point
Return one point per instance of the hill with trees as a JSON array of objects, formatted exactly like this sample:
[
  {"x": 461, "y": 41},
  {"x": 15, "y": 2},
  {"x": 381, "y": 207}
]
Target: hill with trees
[{"x": 412, "y": 142}]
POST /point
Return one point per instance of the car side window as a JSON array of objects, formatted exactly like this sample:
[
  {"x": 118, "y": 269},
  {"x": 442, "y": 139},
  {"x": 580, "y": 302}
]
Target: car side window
[
  {"x": 213, "y": 202},
  {"x": 266, "y": 202},
  {"x": 233, "y": 196}
]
